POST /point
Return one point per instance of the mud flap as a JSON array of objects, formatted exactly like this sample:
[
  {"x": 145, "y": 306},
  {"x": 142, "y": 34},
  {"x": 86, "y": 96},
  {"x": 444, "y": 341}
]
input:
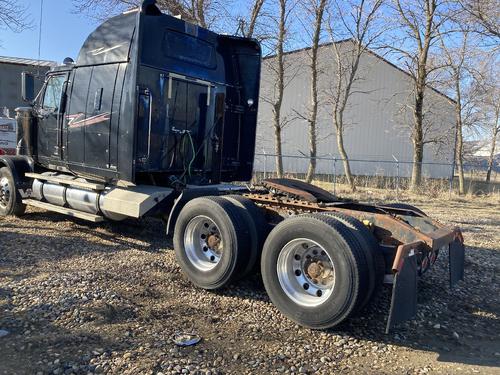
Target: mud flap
[
  {"x": 456, "y": 260},
  {"x": 404, "y": 293}
]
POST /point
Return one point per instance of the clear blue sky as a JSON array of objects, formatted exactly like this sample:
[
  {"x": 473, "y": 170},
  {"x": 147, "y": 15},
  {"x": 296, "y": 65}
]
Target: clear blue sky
[{"x": 63, "y": 32}]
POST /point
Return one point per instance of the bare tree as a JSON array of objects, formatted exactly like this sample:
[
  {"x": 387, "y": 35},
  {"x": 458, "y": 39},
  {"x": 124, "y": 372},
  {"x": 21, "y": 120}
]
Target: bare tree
[
  {"x": 421, "y": 22},
  {"x": 314, "y": 16},
  {"x": 459, "y": 81},
  {"x": 485, "y": 13},
  {"x": 491, "y": 112},
  {"x": 14, "y": 16},
  {"x": 248, "y": 24},
  {"x": 200, "y": 12},
  {"x": 357, "y": 20},
  {"x": 278, "y": 67},
  {"x": 495, "y": 130}
]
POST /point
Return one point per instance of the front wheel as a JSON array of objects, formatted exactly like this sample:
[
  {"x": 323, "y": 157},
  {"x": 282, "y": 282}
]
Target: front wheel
[
  {"x": 314, "y": 270},
  {"x": 10, "y": 199}
]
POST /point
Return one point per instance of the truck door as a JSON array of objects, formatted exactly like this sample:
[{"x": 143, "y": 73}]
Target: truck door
[{"x": 50, "y": 116}]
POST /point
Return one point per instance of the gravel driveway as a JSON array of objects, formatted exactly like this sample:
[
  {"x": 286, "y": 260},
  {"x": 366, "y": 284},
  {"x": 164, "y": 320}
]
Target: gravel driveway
[{"x": 78, "y": 298}]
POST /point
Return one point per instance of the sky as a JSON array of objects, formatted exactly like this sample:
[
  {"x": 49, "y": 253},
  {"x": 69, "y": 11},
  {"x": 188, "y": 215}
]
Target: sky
[{"x": 63, "y": 32}]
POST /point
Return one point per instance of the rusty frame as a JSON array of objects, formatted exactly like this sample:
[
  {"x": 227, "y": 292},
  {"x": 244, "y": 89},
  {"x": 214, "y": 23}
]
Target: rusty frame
[{"x": 391, "y": 229}]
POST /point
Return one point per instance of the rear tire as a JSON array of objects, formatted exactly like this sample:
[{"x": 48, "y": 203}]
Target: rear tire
[
  {"x": 374, "y": 257},
  {"x": 10, "y": 199},
  {"x": 336, "y": 267},
  {"x": 211, "y": 242},
  {"x": 257, "y": 226}
]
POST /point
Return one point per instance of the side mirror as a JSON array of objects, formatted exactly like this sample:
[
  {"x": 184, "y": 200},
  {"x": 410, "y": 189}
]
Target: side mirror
[{"x": 28, "y": 87}]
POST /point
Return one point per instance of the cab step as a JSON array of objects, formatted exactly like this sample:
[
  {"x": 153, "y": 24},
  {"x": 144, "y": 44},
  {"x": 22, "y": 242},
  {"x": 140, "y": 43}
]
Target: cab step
[
  {"x": 67, "y": 181},
  {"x": 64, "y": 210}
]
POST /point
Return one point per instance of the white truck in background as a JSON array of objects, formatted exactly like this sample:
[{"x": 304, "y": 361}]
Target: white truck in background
[{"x": 7, "y": 134}]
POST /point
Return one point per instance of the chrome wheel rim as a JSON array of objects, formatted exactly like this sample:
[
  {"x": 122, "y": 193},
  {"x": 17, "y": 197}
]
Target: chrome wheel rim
[
  {"x": 306, "y": 272},
  {"x": 203, "y": 243},
  {"x": 4, "y": 192}
]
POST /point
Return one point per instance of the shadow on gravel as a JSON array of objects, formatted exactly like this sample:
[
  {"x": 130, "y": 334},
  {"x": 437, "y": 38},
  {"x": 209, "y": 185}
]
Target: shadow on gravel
[
  {"x": 458, "y": 310},
  {"x": 143, "y": 235},
  {"x": 45, "y": 346},
  {"x": 443, "y": 314}
]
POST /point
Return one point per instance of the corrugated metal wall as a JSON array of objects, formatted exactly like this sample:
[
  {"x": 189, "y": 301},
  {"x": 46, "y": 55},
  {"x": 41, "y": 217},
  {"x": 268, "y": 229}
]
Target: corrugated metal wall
[
  {"x": 378, "y": 120},
  {"x": 10, "y": 84}
]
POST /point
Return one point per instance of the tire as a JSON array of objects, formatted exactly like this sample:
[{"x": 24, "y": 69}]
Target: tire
[
  {"x": 10, "y": 199},
  {"x": 293, "y": 292},
  {"x": 404, "y": 206},
  {"x": 202, "y": 226},
  {"x": 258, "y": 229},
  {"x": 374, "y": 257}
]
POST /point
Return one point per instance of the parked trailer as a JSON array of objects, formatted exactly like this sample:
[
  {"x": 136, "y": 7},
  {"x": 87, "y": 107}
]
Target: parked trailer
[{"x": 157, "y": 117}]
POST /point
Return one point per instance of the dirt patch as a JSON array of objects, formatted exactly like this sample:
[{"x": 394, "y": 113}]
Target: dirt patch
[{"x": 79, "y": 298}]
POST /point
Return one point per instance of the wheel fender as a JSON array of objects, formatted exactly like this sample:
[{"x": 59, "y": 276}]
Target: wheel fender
[
  {"x": 19, "y": 165},
  {"x": 185, "y": 197}
]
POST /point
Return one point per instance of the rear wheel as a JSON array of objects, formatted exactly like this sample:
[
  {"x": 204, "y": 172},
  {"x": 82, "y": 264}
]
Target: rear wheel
[
  {"x": 314, "y": 270},
  {"x": 10, "y": 199},
  {"x": 374, "y": 257},
  {"x": 257, "y": 226},
  {"x": 211, "y": 242}
]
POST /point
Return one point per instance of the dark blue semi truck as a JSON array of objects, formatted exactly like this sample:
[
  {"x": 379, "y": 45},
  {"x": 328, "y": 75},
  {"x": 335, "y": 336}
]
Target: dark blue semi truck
[{"x": 157, "y": 117}]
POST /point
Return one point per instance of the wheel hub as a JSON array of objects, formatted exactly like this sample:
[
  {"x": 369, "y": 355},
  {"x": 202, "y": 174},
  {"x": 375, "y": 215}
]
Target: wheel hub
[
  {"x": 203, "y": 243},
  {"x": 318, "y": 272},
  {"x": 213, "y": 242},
  {"x": 306, "y": 272},
  {"x": 4, "y": 192}
]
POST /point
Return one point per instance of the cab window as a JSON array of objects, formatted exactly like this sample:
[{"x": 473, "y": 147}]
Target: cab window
[{"x": 53, "y": 93}]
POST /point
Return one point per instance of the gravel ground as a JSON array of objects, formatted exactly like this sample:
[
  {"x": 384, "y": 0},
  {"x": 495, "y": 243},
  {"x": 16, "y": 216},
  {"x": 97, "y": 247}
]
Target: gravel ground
[{"x": 78, "y": 298}]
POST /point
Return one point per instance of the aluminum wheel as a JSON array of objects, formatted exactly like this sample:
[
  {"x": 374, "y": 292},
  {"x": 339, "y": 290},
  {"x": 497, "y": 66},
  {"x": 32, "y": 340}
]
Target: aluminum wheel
[
  {"x": 4, "y": 192},
  {"x": 306, "y": 272},
  {"x": 203, "y": 243}
]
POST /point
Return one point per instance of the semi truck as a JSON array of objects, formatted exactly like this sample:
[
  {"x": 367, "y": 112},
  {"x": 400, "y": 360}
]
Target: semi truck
[{"x": 157, "y": 117}]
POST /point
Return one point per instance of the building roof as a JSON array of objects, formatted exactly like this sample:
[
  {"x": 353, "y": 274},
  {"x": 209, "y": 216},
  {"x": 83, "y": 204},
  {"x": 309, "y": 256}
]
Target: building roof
[
  {"x": 28, "y": 62},
  {"x": 370, "y": 52}
]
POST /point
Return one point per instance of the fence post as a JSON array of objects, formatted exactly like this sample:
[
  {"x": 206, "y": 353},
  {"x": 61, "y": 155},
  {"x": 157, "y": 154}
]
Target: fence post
[
  {"x": 265, "y": 164},
  {"x": 452, "y": 175},
  {"x": 334, "y": 176},
  {"x": 397, "y": 178}
]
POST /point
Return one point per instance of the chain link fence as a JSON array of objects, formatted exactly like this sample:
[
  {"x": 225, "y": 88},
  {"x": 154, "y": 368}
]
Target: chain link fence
[{"x": 389, "y": 175}]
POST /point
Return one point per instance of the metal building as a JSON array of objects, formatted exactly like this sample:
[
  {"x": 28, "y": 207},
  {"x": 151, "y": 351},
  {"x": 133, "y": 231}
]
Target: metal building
[
  {"x": 10, "y": 79},
  {"x": 378, "y": 118}
]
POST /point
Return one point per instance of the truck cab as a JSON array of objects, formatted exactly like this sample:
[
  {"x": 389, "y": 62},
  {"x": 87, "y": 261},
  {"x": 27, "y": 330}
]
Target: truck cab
[{"x": 151, "y": 98}]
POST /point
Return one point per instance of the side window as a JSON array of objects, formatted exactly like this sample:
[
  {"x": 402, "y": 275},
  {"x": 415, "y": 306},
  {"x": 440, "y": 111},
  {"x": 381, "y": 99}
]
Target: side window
[{"x": 53, "y": 93}]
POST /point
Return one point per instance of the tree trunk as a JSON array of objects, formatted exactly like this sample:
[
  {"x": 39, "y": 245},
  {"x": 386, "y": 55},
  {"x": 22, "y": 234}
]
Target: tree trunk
[
  {"x": 345, "y": 161},
  {"x": 313, "y": 114},
  {"x": 491, "y": 158},
  {"x": 277, "y": 146},
  {"x": 459, "y": 154},
  {"x": 280, "y": 88},
  {"x": 418, "y": 139},
  {"x": 460, "y": 162}
]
